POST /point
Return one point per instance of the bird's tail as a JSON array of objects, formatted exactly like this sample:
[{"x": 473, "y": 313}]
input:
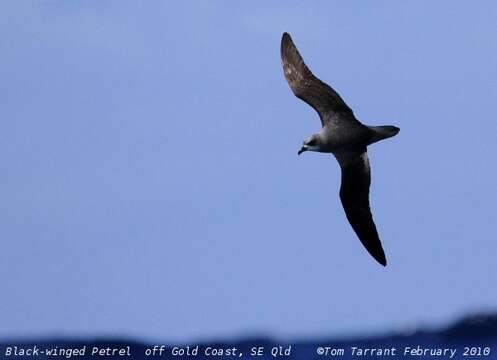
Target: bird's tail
[{"x": 383, "y": 132}]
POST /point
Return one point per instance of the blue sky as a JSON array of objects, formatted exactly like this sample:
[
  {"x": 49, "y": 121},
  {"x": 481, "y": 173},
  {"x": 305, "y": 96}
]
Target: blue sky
[{"x": 151, "y": 186}]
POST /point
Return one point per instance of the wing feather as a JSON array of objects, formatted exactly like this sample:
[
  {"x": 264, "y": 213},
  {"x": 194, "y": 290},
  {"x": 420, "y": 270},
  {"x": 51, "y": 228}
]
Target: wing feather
[
  {"x": 307, "y": 87},
  {"x": 354, "y": 193}
]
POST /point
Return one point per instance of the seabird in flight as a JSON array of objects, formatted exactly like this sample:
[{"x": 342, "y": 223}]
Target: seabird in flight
[{"x": 345, "y": 137}]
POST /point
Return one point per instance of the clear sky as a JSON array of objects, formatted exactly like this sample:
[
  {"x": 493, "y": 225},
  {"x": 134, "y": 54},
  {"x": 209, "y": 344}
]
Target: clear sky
[{"x": 150, "y": 183}]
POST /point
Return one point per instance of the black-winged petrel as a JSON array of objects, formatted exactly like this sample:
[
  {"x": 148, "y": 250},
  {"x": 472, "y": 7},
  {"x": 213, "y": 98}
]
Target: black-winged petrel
[{"x": 345, "y": 137}]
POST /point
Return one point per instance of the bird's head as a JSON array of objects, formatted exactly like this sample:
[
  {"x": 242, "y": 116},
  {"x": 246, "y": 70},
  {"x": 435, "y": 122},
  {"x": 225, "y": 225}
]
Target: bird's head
[{"x": 311, "y": 144}]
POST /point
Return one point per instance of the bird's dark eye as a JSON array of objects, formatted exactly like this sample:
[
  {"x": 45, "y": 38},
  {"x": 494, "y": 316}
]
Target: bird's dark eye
[{"x": 312, "y": 142}]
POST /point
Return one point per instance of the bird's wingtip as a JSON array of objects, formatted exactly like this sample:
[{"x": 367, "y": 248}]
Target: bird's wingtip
[
  {"x": 378, "y": 254},
  {"x": 286, "y": 37},
  {"x": 382, "y": 260}
]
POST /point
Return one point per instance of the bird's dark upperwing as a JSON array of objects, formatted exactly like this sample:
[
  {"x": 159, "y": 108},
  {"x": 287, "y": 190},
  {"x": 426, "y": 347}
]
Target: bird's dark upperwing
[
  {"x": 307, "y": 87},
  {"x": 354, "y": 193}
]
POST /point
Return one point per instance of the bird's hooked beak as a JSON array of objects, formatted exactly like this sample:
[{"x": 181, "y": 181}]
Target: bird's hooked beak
[{"x": 302, "y": 149}]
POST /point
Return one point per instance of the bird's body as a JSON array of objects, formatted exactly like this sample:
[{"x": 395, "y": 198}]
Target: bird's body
[
  {"x": 340, "y": 136},
  {"x": 345, "y": 137}
]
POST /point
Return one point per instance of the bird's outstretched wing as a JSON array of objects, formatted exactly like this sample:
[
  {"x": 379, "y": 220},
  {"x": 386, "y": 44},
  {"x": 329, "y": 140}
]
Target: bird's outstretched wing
[
  {"x": 354, "y": 193},
  {"x": 309, "y": 88}
]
